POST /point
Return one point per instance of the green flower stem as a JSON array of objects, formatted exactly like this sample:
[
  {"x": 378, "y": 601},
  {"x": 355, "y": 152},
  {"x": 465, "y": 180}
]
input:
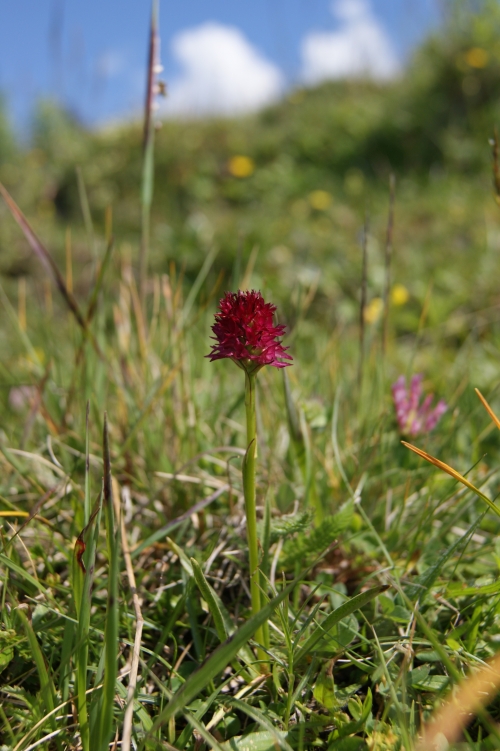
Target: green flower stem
[{"x": 250, "y": 507}]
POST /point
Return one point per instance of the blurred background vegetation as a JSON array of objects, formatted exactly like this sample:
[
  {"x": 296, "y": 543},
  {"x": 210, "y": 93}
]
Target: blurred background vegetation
[{"x": 290, "y": 187}]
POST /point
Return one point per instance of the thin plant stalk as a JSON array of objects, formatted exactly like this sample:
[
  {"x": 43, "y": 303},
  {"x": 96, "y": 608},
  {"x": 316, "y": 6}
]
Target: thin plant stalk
[
  {"x": 83, "y": 575},
  {"x": 112, "y": 613},
  {"x": 388, "y": 261},
  {"x": 148, "y": 151},
  {"x": 496, "y": 167},
  {"x": 136, "y": 652},
  {"x": 250, "y": 505},
  {"x": 362, "y": 304}
]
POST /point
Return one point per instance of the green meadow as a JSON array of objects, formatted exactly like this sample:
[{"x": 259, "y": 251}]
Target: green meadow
[{"x": 369, "y": 215}]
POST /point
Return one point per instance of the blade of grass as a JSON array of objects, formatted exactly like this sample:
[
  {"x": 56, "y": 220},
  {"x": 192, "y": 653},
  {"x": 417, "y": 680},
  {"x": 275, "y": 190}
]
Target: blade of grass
[
  {"x": 83, "y": 567},
  {"x": 218, "y": 660},
  {"x": 92, "y": 304},
  {"x": 148, "y": 150},
  {"x": 362, "y": 303},
  {"x": 136, "y": 652},
  {"x": 392, "y": 690},
  {"x": 85, "y": 207},
  {"x": 47, "y": 690},
  {"x": 160, "y": 534},
  {"x": 355, "y": 603},
  {"x": 112, "y": 613},
  {"x": 424, "y": 582},
  {"x": 162, "y": 383},
  {"x": 192, "y": 719},
  {"x": 210, "y": 598},
  {"x": 19, "y": 570},
  {"x": 453, "y": 473},
  {"x": 388, "y": 260},
  {"x": 302, "y": 448},
  {"x": 193, "y": 292},
  {"x": 488, "y": 408},
  {"x": 33, "y": 355},
  {"x": 258, "y": 716},
  {"x": 265, "y": 563}
]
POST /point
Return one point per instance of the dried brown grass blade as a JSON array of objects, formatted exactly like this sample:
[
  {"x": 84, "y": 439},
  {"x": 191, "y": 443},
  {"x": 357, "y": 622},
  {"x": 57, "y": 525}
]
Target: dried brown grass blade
[
  {"x": 50, "y": 265},
  {"x": 462, "y": 705},
  {"x": 439, "y": 464},
  {"x": 43, "y": 254},
  {"x": 488, "y": 409},
  {"x": 453, "y": 473}
]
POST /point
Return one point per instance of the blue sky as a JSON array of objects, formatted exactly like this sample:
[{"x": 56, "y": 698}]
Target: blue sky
[{"x": 222, "y": 55}]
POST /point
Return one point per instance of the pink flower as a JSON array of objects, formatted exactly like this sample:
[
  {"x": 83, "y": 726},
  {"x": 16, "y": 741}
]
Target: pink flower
[
  {"x": 414, "y": 418},
  {"x": 245, "y": 333}
]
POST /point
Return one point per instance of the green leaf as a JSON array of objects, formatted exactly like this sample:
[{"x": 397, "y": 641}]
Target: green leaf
[
  {"x": 416, "y": 676},
  {"x": 433, "y": 684},
  {"x": 305, "y": 548},
  {"x": 324, "y": 690},
  {"x": 358, "y": 725},
  {"x": 260, "y": 741},
  {"x": 7, "y": 641},
  {"x": 287, "y": 525},
  {"x": 211, "y": 599},
  {"x": 264, "y": 721},
  {"x": 341, "y": 635}
]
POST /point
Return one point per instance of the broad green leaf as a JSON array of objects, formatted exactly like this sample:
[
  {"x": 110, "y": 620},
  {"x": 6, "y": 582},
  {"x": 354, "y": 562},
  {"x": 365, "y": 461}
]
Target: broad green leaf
[{"x": 324, "y": 690}]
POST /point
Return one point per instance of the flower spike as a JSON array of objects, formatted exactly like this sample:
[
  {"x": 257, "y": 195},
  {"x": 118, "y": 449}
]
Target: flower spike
[
  {"x": 245, "y": 333},
  {"x": 415, "y": 418}
]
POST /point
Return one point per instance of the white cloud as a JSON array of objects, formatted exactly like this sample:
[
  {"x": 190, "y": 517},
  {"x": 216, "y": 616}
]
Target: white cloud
[
  {"x": 111, "y": 63},
  {"x": 360, "y": 47},
  {"x": 222, "y": 74}
]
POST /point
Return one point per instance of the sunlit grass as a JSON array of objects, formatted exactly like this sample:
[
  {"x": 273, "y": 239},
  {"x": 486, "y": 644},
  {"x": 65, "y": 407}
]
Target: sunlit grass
[{"x": 124, "y": 574}]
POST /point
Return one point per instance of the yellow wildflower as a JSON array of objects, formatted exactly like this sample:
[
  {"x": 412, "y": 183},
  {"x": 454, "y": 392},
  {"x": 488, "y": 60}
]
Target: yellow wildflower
[{"x": 241, "y": 166}]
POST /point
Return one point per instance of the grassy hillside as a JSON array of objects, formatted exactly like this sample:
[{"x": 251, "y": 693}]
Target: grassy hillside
[{"x": 123, "y": 551}]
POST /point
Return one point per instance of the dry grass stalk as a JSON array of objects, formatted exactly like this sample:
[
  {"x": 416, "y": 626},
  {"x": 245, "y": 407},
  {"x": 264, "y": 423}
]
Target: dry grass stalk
[
  {"x": 139, "y": 621},
  {"x": 465, "y": 702}
]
